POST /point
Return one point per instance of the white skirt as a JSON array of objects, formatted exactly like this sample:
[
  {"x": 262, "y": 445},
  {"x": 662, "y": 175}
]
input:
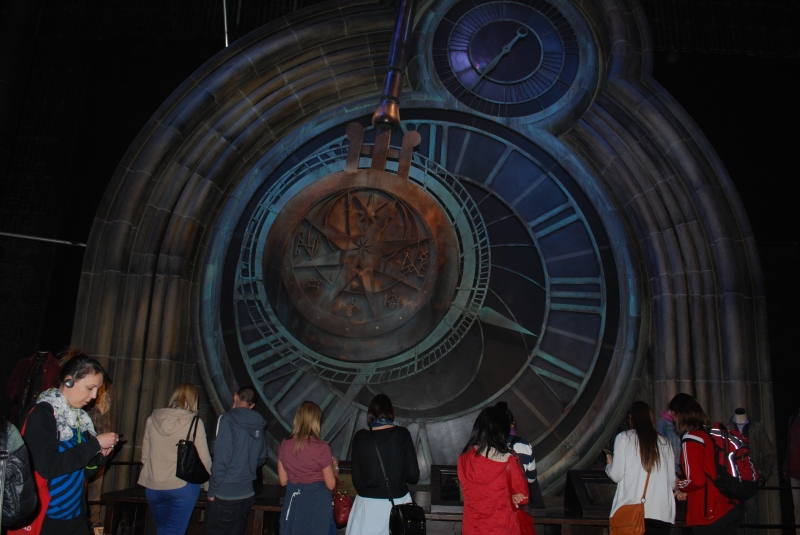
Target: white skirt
[{"x": 370, "y": 516}]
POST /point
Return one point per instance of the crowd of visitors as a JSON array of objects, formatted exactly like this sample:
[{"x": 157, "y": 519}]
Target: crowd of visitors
[{"x": 654, "y": 465}]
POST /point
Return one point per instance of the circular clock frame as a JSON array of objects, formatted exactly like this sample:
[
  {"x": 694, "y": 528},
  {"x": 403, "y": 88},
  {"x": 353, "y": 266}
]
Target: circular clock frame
[
  {"x": 551, "y": 92},
  {"x": 448, "y": 415},
  {"x": 275, "y": 338}
]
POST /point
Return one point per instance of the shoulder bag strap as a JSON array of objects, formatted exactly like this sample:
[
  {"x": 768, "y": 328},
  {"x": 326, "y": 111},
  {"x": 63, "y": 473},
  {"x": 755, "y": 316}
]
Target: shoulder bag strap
[
  {"x": 194, "y": 423},
  {"x": 385, "y": 479},
  {"x": 646, "y": 482}
]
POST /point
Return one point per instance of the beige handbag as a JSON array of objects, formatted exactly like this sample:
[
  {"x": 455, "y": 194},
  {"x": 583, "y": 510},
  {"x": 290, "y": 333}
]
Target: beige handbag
[{"x": 629, "y": 519}]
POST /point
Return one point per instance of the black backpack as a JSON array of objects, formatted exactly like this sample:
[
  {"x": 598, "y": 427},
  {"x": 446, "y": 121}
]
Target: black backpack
[{"x": 18, "y": 497}]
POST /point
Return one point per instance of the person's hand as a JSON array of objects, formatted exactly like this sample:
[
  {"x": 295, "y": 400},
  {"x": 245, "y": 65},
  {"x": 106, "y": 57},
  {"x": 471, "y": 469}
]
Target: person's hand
[
  {"x": 335, "y": 462},
  {"x": 108, "y": 440},
  {"x": 210, "y": 499},
  {"x": 762, "y": 481},
  {"x": 609, "y": 457},
  {"x": 517, "y": 498},
  {"x": 105, "y": 452},
  {"x": 679, "y": 495}
]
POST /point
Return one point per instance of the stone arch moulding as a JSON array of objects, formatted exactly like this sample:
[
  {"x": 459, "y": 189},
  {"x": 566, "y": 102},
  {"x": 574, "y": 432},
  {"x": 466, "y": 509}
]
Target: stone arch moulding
[{"x": 701, "y": 299}]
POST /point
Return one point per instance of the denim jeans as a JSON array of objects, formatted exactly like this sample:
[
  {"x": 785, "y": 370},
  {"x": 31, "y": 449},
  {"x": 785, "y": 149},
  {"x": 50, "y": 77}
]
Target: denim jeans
[
  {"x": 227, "y": 517},
  {"x": 172, "y": 509}
]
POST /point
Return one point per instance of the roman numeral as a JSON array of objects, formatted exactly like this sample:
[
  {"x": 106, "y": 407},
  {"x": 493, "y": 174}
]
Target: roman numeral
[
  {"x": 463, "y": 151},
  {"x": 581, "y": 295},
  {"x": 550, "y": 215},
  {"x": 531, "y": 406},
  {"x": 424, "y": 444},
  {"x": 286, "y": 387},
  {"x": 348, "y": 437},
  {"x": 338, "y": 409},
  {"x": 267, "y": 348},
  {"x": 570, "y": 369},
  {"x": 499, "y": 165}
]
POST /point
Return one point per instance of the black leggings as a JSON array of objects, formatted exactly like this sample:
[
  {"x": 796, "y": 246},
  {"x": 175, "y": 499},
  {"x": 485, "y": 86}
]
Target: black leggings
[
  {"x": 656, "y": 527},
  {"x": 724, "y": 526},
  {"x": 74, "y": 526}
]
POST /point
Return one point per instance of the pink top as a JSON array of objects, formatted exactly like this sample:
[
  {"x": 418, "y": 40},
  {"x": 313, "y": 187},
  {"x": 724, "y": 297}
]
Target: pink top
[{"x": 305, "y": 467}]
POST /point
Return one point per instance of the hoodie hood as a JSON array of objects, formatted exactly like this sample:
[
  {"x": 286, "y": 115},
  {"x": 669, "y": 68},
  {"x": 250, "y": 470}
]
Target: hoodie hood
[
  {"x": 168, "y": 421},
  {"x": 250, "y": 420},
  {"x": 479, "y": 470}
]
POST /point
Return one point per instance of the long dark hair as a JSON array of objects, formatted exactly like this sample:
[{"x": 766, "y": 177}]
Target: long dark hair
[
  {"x": 489, "y": 432},
  {"x": 642, "y": 421},
  {"x": 380, "y": 407},
  {"x": 688, "y": 413}
]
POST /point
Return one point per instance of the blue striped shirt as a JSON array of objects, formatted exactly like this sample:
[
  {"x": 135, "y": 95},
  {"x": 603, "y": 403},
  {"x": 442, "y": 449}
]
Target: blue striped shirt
[{"x": 66, "y": 492}]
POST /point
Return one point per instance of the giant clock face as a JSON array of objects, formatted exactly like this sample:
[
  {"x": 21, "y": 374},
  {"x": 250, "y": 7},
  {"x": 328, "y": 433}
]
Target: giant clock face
[
  {"x": 486, "y": 275},
  {"x": 506, "y": 58}
]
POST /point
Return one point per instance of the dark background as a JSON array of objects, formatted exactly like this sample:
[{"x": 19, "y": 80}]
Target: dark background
[{"x": 79, "y": 78}]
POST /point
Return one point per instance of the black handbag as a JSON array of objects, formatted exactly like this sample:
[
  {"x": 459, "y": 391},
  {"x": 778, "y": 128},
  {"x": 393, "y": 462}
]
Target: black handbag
[
  {"x": 405, "y": 518},
  {"x": 190, "y": 468}
]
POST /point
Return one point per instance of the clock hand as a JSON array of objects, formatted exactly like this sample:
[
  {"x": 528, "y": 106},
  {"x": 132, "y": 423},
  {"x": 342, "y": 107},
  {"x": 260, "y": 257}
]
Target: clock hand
[
  {"x": 521, "y": 33},
  {"x": 492, "y": 317}
]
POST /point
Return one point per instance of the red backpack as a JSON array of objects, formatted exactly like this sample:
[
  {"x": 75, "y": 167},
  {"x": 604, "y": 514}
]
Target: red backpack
[{"x": 736, "y": 476}]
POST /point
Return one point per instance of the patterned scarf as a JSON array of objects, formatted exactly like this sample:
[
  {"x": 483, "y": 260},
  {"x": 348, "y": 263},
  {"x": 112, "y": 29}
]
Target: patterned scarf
[
  {"x": 67, "y": 418},
  {"x": 378, "y": 422}
]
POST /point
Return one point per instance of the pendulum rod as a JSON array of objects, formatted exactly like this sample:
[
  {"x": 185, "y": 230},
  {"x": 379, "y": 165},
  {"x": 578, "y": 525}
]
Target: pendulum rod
[{"x": 387, "y": 116}]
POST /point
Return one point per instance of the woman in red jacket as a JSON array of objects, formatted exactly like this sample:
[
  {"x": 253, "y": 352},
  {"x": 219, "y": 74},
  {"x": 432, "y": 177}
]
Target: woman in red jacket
[
  {"x": 482, "y": 471},
  {"x": 708, "y": 512}
]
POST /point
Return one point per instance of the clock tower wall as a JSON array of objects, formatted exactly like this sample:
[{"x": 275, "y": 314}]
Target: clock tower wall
[{"x": 634, "y": 271}]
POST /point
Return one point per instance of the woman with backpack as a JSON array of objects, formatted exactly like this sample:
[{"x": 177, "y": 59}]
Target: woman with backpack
[
  {"x": 643, "y": 467},
  {"x": 65, "y": 448},
  {"x": 708, "y": 512}
]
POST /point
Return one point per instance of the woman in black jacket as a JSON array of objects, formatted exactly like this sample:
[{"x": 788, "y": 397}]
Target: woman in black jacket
[
  {"x": 370, "y": 514},
  {"x": 64, "y": 446}
]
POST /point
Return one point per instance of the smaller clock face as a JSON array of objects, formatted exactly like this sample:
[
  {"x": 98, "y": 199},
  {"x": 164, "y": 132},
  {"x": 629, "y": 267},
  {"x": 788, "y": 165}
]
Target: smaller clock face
[{"x": 506, "y": 58}]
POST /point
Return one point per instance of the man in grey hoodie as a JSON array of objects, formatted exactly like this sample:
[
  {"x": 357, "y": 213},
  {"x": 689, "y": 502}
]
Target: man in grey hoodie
[{"x": 240, "y": 449}]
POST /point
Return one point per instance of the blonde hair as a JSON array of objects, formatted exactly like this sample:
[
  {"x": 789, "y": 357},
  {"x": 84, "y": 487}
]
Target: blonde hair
[
  {"x": 184, "y": 397},
  {"x": 306, "y": 424}
]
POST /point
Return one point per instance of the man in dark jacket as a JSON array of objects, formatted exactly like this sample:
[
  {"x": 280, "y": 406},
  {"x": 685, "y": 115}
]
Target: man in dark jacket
[
  {"x": 239, "y": 450},
  {"x": 763, "y": 454}
]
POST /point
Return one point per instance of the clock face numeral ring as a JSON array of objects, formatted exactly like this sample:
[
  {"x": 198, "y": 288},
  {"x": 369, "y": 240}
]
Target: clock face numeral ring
[
  {"x": 280, "y": 272},
  {"x": 534, "y": 314},
  {"x": 506, "y": 58}
]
